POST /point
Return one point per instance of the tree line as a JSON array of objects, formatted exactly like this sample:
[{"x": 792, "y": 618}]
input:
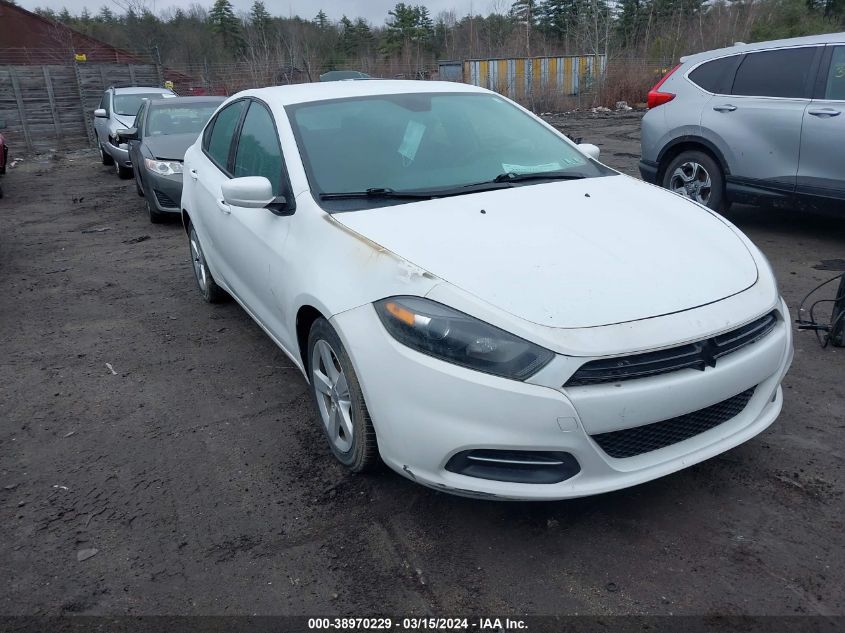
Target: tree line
[{"x": 205, "y": 41}]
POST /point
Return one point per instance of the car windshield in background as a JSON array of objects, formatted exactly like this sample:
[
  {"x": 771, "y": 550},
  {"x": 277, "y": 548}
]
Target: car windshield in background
[
  {"x": 128, "y": 105},
  {"x": 164, "y": 120},
  {"x": 424, "y": 145}
]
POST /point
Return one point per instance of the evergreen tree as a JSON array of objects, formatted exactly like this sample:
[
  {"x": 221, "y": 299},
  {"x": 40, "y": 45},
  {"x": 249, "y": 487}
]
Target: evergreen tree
[
  {"x": 321, "y": 20},
  {"x": 106, "y": 16},
  {"x": 258, "y": 16},
  {"x": 225, "y": 24}
]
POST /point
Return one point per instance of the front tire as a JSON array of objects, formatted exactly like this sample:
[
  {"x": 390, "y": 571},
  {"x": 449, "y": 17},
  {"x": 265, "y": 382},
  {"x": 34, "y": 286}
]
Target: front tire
[
  {"x": 122, "y": 172},
  {"x": 339, "y": 400},
  {"x": 697, "y": 176},
  {"x": 105, "y": 156},
  {"x": 208, "y": 288},
  {"x": 156, "y": 216}
]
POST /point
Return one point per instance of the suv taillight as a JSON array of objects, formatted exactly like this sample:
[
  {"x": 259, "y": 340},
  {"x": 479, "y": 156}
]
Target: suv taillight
[{"x": 655, "y": 96}]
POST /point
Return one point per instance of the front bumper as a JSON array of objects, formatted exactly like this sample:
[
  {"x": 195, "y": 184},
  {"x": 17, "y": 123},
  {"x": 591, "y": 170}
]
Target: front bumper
[
  {"x": 425, "y": 411},
  {"x": 163, "y": 192},
  {"x": 119, "y": 154}
]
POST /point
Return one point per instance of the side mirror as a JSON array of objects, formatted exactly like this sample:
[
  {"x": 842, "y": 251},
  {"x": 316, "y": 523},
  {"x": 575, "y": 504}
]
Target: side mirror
[
  {"x": 101, "y": 113},
  {"x": 252, "y": 192},
  {"x": 128, "y": 134},
  {"x": 590, "y": 150}
]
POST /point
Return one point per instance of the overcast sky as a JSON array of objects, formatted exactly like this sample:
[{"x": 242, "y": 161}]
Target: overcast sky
[{"x": 375, "y": 11}]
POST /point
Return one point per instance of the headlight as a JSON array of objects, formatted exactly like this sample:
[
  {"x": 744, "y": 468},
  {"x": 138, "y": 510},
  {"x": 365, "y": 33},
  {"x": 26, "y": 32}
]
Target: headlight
[
  {"x": 163, "y": 167},
  {"x": 439, "y": 331}
]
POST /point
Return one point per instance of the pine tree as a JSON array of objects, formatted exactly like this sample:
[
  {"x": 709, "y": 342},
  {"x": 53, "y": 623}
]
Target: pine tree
[
  {"x": 258, "y": 16},
  {"x": 321, "y": 20},
  {"x": 106, "y": 16},
  {"x": 225, "y": 24},
  {"x": 524, "y": 13}
]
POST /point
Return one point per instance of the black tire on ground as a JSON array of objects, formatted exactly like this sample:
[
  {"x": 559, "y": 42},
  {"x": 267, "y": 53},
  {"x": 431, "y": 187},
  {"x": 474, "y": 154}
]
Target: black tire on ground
[
  {"x": 156, "y": 216},
  {"x": 837, "y": 320},
  {"x": 362, "y": 455},
  {"x": 208, "y": 288},
  {"x": 105, "y": 157},
  {"x": 694, "y": 168},
  {"x": 122, "y": 172}
]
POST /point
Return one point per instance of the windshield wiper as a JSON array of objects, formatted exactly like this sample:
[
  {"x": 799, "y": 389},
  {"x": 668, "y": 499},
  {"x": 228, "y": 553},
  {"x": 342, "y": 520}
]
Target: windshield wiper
[
  {"x": 540, "y": 175},
  {"x": 377, "y": 192}
]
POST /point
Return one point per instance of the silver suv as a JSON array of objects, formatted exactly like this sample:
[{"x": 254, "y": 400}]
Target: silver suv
[
  {"x": 117, "y": 111},
  {"x": 754, "y": 123}
]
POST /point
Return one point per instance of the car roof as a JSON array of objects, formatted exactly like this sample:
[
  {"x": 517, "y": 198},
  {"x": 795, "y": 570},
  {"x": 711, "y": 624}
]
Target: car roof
[
  {"x": 826, "y": 38},
  {"x": 321, "y": 91},
  {"x": 187, "y": 100},
  {"x": 140, "y": 90}
]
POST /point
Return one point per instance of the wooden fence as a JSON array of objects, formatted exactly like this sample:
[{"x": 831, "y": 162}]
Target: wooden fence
[{"x": 52, "y": 106}]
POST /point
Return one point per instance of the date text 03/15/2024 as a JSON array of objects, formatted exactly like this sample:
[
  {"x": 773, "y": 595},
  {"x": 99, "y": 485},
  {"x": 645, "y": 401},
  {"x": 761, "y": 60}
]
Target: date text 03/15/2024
[{"x": 417, "y": 624}]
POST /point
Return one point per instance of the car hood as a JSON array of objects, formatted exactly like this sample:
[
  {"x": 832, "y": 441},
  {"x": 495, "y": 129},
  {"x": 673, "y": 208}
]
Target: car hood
[
  {"x": 569, "y": 254},
  {"x": 123, "y": 120},
  {"x": 170, "y": 146}
]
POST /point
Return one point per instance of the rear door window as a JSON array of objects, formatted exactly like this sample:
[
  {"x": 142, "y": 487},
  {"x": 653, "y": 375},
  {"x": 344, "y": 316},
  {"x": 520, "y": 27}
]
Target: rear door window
[
  {"x": 259, "y": 152},
  {"x": 835, "y": 86},
  {"x": 219, "y": 141},
  {"x": 717, "y": 75},
  {"x": 779, "y": 73}
]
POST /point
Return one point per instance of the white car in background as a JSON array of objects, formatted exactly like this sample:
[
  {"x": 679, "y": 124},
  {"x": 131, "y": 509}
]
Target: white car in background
[{"x": 475, "y": 298}]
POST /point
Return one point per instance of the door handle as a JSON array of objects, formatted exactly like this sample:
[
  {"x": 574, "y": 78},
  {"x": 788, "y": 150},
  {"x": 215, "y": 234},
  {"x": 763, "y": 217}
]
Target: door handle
[
  {"x": 727, "y": 107},
  {"x": 824, "y": 112},
  {"x": 193, "y": 173},
  {"x": 225, "y": 208}
]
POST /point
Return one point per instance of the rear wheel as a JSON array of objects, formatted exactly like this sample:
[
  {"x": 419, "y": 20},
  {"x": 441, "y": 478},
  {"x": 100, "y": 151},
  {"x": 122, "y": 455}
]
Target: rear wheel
[
  {"x": 208, "y": 288},
  {"x": 695, "y": 175},
  {"x": 339, "y": 400}
]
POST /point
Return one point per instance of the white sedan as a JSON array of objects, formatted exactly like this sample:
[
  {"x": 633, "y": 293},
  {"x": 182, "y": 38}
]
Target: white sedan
[{"x": 475, "y": 299}]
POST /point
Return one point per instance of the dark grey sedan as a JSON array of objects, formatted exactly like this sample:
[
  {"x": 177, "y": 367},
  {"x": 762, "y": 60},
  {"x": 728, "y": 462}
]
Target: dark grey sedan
[{"x": 164, "y": 129}]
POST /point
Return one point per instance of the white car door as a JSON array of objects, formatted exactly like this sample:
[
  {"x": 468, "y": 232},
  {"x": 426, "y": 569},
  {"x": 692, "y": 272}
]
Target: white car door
[
  {"x": 254, "y": 240},
  {"x": 209, "y": 171}
]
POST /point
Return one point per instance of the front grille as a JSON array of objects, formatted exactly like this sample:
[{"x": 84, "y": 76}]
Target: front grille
[
  {"x": 650, "y": 437},
  {"x": 699, "y": 355},
  {"x": 164, "y": 200}
]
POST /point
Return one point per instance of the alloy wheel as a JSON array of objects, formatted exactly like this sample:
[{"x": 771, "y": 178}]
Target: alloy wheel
[
  {"x": 333, "y": 398},
  {"x": 691, "y": 180},
  {"x": 200, "y": 269}
]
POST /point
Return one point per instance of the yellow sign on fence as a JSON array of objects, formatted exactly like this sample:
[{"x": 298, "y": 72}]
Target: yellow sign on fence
[{"x": 80, "y": 57}]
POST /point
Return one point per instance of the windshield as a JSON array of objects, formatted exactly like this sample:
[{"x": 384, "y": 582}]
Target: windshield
[
  {"x": 426, "y": 142},
  {"x": 178, "y": 119},
  {"x": 127, "y": 105}
]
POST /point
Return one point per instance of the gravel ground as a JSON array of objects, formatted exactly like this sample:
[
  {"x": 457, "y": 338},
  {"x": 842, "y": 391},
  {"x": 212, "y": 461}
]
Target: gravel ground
[{"x": 175, "y": 443}]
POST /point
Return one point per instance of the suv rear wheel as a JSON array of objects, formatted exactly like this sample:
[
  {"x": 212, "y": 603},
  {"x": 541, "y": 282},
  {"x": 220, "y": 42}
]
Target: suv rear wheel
[{"x": 695, "y": 175}]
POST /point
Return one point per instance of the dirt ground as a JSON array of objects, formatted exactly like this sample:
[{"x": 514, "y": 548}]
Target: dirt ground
[{"x": 196, "y": 470}]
